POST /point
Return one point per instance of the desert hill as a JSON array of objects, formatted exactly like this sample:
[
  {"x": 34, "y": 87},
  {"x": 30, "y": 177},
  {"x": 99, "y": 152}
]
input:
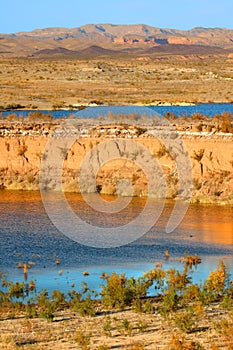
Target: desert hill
[{"x": 111, "y": 38}]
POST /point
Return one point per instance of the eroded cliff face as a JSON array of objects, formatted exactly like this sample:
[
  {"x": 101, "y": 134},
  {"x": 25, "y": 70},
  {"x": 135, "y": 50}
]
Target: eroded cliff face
[{"x": 116, "y": 153}]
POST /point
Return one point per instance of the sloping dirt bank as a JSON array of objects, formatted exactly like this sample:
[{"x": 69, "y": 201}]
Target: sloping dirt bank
[{"x": 210, "y": 153}]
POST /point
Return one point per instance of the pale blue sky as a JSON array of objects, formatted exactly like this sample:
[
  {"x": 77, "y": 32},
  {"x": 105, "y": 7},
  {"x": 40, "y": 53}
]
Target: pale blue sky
[{"x": 26, "y": 15}]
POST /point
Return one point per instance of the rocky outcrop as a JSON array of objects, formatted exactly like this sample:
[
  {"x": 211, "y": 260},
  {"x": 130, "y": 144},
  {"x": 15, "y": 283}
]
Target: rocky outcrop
[{"x": 136, "y": 40}]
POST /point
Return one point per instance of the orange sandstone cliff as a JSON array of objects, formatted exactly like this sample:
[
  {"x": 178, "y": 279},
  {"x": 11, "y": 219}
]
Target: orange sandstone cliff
[{"x": 211, "y": 155}]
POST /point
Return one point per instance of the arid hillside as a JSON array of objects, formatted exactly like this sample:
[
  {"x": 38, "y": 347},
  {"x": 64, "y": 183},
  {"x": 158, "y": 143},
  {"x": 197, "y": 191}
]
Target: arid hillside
[{"x": 74, "y": 41}]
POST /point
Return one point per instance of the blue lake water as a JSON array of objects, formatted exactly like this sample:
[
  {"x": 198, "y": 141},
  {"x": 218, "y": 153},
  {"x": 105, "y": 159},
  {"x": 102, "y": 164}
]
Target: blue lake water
[
  {"x": 27, "y": 234},
  {"x": 208, "y": 109}
]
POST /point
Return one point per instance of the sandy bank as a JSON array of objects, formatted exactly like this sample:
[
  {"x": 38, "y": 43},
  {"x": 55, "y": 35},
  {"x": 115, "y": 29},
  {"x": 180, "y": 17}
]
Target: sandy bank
[{"x": 209, "y": 152}]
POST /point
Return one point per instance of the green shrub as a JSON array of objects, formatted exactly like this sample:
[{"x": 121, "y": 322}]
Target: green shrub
[
  {"x": 45, "y": 306},
  {"x": 126, "y": 326},
  {"x": 227, "y": 302},
  {"x": 169, "y": 303},
  {"x": 120, "y": 291},
  {"x": 47, "y": 311},
  {"x": 58, "y": 300},
  {"x": 30, "y": 311},
  {"x": 177, "y": 280},
  {"x": 116, "y": 293},
  {"x": 142, "y": 326},
  {"x": 148, "y": 307},
  {"x": 184, "y": 320},
  {"x": 39, "y": 117},
  {"x": 107, "y": 326},
  {"x": 84, "y": 307},
  {"x": 216, "y": 283},
  {"x": 18, "y": 290},
  {"x": 82, "y": 339},
  {"x": 103, "y": 347}
]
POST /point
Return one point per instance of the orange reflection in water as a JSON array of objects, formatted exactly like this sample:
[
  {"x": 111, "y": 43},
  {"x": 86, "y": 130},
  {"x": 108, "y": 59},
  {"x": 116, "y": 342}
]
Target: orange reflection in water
[
  {"x": 214, "y": 223},
  {"x": 19, "y": 196},
  {"x": 215, "y": 232},
  {"x": 206, "y": 223}
]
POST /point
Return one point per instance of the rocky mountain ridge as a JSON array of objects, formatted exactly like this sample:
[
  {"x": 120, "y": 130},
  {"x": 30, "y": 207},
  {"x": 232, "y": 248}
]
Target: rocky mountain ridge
[{"x": 114, "y": 37}]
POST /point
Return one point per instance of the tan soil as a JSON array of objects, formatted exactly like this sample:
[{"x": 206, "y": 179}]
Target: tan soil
[
  {"x": 21, "y": 333},
  {"x": 58, "y": 82}
]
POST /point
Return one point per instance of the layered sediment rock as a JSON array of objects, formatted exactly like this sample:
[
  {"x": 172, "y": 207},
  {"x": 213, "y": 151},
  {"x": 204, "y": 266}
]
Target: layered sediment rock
[{"x": 120, "y": 152}]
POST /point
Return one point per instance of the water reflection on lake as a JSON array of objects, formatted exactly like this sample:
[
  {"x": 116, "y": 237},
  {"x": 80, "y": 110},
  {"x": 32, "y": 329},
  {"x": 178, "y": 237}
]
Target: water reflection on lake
[{"x": 28, "y": 235}]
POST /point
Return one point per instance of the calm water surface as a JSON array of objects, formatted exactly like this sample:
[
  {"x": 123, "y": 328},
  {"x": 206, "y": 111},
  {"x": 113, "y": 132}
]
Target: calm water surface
[
  {"x": 208, "y": 109},
  {"x": 28, "y": 235}
]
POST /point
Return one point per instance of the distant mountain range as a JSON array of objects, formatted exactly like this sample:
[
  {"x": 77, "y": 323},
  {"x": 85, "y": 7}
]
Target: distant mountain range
[{"x": 109, "y": 39}]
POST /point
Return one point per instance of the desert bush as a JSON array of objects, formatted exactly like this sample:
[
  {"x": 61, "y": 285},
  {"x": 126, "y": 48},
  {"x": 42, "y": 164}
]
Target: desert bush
[
  {"x": 225, "y": 328},
  {"x": 39, "y": 117},
  {"x": 137, "y": 346},
  {"x": 137, "y": 305},
  {"x": 103, "y": 347},
  {"x": 82, "y": 339},
  {"x": 120, "y": 291},
  {"x": 107, "y": 327},
  {"x": 209, "y": 128},
  {"x": 198, "y": 157},
  {"x": 18, "y": 290},
  {"x": 58, "y": 105},
  {"x": 45, "y": 307},
  {"x": 169, "y": 303},
  {"x": 12, "y": 117},
  {"x": 140, "y": 131},
  {"x": 12, "y": 106},
  {"x": 117, "y": 293},
  {"x": 30, "y": 311},
  {"x": 143, "y": 306},
  {"x": 47, "y": 311},
  {"x": 180, "y": 343},
  {"x": 216, "y": 283},
  {"x": 192, "y": 260},
  {"x": 192, "y": 293},
  {"x": 83, "y": 306},
  {"x": 148, "y": 307},
  {"x": 177, "y": 280},
  {"x": 227, "y": 302},
  {"x": 174, "y": 291},
  {"x": 142, "y": 326},
  {"x": 197, "y": 117},
  {"x": 58, "y": 300},
  {"x": 126, "y": 326},
  {"x": 184, "y": 320}
]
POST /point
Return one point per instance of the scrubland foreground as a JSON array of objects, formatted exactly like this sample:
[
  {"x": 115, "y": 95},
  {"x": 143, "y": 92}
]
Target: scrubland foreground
[{"x": 178, "y": 315}]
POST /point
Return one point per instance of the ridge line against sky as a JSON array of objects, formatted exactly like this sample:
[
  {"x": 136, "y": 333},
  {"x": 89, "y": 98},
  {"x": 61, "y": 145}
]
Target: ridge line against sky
[{"x": 27, "y": 15}]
